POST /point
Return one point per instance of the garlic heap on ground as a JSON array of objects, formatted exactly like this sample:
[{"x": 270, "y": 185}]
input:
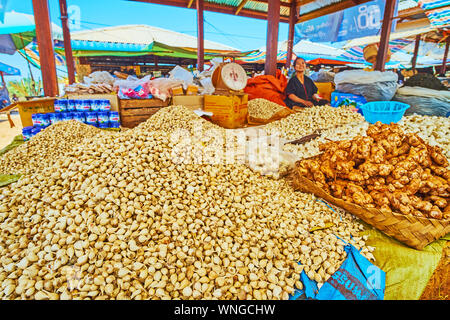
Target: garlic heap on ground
[
  {"x": 43, "y": 149},
  {"x": 117, "y": 219}
]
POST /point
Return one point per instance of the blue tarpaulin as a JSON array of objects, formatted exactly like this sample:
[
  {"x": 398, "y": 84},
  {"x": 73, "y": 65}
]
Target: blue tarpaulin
[
  {"x": 355, "y": 22},
  {"x": 8, "y": 70},
  {"x": 356, "y": 279}
]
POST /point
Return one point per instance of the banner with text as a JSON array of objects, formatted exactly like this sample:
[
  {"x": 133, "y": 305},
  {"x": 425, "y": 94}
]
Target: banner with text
[{"x": 356, "y": 22}]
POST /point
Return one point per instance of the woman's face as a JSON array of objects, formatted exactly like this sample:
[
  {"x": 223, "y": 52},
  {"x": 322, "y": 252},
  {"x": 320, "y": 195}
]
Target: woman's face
[{"x": 300, "y": 65}]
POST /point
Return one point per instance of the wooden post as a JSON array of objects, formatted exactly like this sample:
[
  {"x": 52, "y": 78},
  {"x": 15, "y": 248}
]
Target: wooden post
[
  {"x": 67, "y": 44},
  {"x": 200, "y": 36},
  {"x": 273, "y": 20},
  {"x": 291, "y": 32},
  {"x": 45, "y": 46},
  {"x": 444, "y": 60},
  {"x": 416, "y": 52},
  {"x": 385, "y": 35}
]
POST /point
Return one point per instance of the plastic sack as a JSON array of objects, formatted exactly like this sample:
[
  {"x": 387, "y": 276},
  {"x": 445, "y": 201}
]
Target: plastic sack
[
  {"x": 427, "y": 106},
  {"x": 160, "y": 88},
  {"x": 323, "y": 76},
  {"x": 372, "y": 85},
  {"x": 356, "y": 279},
  {"x": 99, "y": 77},
  {"x": 264, "y": 154},
  {"x": 206, "y": 86},
  {"x": 133, "y": 88},
  {"x": 267, "y": 87},
  {"x": 179, "y": 73}
]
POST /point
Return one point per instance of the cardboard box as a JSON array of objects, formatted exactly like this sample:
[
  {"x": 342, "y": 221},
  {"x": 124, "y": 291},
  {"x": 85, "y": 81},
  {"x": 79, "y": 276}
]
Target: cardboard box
[
  {"x": 325, "y": 89},
  {"x": 192, "y": 90},
  {"x": 228, "y": 111},
  {"x": 39, "y": 105},
  {"x": 113, "y": 99},
  {"x": 177, "y": 91},
  {"x": 339, "y": 99},
  {"x": 191, "y": 102}
]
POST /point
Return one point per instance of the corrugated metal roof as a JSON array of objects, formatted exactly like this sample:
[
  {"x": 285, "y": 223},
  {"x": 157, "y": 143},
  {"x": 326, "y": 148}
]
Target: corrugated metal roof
[
  {"x": 316, "y": 5},
  {"x": 145, "y": 35},
  {"x": 406, "y": 4}
]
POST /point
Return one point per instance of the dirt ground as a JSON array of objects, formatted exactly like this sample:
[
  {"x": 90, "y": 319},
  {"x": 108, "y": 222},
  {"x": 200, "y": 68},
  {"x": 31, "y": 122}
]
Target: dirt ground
[
  {"x": 7, "y": 133},
  {"x": 438, "y": 288}
]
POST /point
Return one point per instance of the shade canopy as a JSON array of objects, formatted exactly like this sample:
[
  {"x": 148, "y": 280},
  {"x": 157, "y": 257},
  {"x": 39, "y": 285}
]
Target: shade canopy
[{"x": 8, "y": 70}]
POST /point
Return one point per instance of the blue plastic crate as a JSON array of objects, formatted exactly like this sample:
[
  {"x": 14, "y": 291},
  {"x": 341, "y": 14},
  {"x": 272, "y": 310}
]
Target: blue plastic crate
[{"x": 384, "y": 111}]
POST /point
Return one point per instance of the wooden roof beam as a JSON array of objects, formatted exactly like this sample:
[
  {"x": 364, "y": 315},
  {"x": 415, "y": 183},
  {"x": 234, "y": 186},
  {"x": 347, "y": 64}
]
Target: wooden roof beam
[
  {"x": 241, "y": 5},
  {"x": 190, "y": 3}
]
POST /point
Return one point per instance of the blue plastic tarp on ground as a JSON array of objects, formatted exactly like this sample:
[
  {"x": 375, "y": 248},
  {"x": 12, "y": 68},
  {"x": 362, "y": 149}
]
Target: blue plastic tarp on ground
[{"x": 356, "y": 279}]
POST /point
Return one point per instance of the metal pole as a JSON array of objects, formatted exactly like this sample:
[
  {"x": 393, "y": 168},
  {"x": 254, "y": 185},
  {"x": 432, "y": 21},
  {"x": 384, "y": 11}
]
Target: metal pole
[
  {"x": 45, "y": 46},
  {"x": 273, "y": 20},
  {"x": 385, "y": 34},
  {"x": 200, "y": 36},
  {"x": 67, "y": 44}
]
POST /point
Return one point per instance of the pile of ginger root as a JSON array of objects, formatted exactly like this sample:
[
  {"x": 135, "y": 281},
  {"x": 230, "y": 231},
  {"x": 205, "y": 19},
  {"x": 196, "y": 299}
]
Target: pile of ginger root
[{"x": 387, "y": 169}]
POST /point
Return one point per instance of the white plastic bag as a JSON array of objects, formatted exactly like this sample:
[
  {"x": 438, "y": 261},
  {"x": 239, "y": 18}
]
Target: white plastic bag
[
  {"x": 424, "y": 101},
  {"x": 364, "y": 77},
  {"x": 179, "y": 73},
  {"x": 372, "y": 85}
]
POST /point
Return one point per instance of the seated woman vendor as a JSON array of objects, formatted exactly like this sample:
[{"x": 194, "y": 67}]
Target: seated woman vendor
[{"x": 301, "y": 92}]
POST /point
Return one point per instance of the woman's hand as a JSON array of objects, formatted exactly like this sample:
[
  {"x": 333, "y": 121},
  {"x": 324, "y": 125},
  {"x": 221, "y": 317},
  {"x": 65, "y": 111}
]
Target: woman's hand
[
  {"x": 316, "y": 97},
  {"x": 308, "y": 104}
]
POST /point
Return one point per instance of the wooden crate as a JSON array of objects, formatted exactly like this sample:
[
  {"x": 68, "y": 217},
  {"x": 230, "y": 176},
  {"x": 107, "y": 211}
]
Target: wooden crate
[
  {"x": 39, "y": 105},
  {"x": 191, "y": 102},
  {"x": 134, "y": 111}
]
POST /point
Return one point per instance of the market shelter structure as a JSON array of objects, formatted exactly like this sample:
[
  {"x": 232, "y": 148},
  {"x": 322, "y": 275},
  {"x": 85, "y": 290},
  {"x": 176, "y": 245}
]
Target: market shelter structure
[{"x": 274, "y": 11}]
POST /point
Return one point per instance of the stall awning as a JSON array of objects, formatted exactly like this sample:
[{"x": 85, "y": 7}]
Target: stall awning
[
  {"x": 8, "y": 70},
  {"x": 394, "y": 36}
]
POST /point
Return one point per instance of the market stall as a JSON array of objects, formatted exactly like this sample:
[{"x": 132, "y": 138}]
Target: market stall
[{"x": 217, "y": 190}]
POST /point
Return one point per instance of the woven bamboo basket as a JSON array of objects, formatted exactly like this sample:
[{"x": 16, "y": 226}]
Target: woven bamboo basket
[
  {"x": 277, "y": 116},
  {"x": 415, "y": 232}
]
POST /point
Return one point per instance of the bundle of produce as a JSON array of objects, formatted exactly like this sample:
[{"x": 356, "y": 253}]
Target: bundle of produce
[
  {"x": 433, "y": 129},
  {"x": 386, "y": 169},
  {"x": 261, "y": 111},
  {"x": 118, "y": 218},
  {"x": 93, "y": 88},
  {"x": 45, "y": 148}
]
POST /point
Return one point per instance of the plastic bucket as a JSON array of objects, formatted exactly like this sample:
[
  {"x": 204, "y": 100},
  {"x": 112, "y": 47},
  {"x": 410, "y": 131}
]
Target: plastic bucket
[{"x": 386, "y": 112}]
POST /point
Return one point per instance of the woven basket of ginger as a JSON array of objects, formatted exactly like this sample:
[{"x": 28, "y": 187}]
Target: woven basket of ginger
[{"x": 391, "y": 180}]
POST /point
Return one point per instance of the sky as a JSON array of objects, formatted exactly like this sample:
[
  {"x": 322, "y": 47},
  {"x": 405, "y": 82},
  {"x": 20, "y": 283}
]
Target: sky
[{"x": 239, "y": 32}]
